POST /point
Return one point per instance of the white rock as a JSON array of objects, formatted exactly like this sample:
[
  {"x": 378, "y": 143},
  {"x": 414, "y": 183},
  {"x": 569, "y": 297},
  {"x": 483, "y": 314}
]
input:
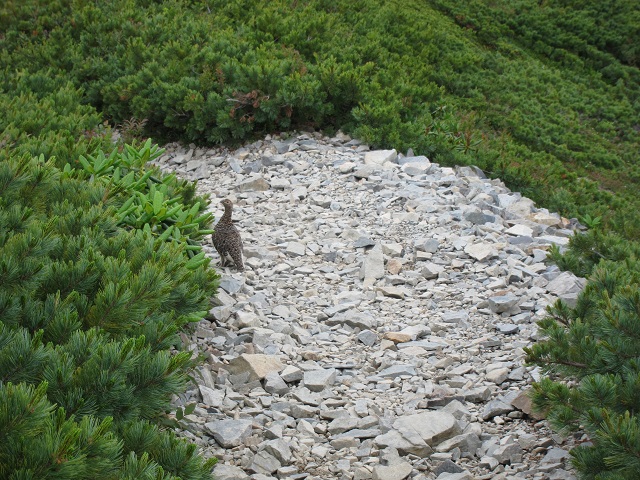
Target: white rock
[{"x": 481, "y": 251}]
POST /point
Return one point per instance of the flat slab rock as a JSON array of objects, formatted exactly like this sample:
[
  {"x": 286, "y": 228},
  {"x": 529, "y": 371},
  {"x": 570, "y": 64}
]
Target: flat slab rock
[{"x": 378, "y": 329}]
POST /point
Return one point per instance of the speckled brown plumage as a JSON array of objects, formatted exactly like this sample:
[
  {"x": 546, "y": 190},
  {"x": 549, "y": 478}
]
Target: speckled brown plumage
[{"x": 226, "y": 237}]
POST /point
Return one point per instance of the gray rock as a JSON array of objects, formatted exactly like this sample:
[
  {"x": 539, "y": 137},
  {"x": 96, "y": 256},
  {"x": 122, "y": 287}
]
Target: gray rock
[
  {"x": 230, "y": 284},
  {"x": 502, "y": 303},
  {"x": 257, "y": 184},
  {"x": 229, "y": 433},
  {"x": 303, "y": 411},
  {"x": 368, "y": 337},
  {"x": 363, "y": 172},
  {"x": 363, "y": 242},
  {"x": 455, "y": 476},
  {"x": 265, "y": 463},
  {"x": 555, "y": 455},
  {"x": 397, "y": 370},
  {"x": 429, "y": 245},
  {"x": 507, "y": 454},
  {"x": 279, "y": 449},
  {"x": 416, "y": 168},
  {"x": 318, "y": 380},
  {"x": 211, "y": 397},
  {"x": 481, "y": 251},
  {"x": 495, "y": 408},
  {"x": 257, "y": 365},
  {"x": 497, "y": 375},
  {"x": 398, "y": 471},
  {"x": 380, "y": 157},
  {"x": 479, "y": 218},
  {"x": 507, "y": 328},
  {"x": 433, "y": 427},
  {"x": 372, "y": 266},
  {"x": 447, "y": 467},
  {"x": 291, "y": 374},
  {"x": 273, "y": 383},
  {"x": 296, "y": 249},
  {"x": 229, "y": 472},
  {"x": 343, "y": 424},
  {"x": 407, "y": 442}
]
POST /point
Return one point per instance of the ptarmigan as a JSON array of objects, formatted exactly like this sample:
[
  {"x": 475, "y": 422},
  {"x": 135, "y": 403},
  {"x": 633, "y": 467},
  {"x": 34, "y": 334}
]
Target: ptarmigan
[{"x": 226, "y": 237}]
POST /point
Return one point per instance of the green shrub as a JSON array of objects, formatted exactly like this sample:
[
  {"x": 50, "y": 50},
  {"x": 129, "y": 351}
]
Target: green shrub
[
  {"x": 593, "y": 352},
  {"x": 89, "y": 311}
]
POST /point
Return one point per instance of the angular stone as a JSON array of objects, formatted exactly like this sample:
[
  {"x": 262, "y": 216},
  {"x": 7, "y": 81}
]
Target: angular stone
[
  {"x": 408, "y": 442},
  {"x": 280, "y": 183},
  {"x": 318, "y": 380},
  {"x": 467, "y": 442},
  {"x": 398, "y": 337},
  {"x": 364, "y": 171},
  {"x": 343, "y": 424},
  {"x": 363, "y": 242},
  {"x": 507, "y": 454},
  {"x": 555, "y": 455},
  {"x": 354, "y": 319},
  {"x": 229, "y": 433},
  {"x": 507, "y": 328},
  {"x": 393, "y": 292},
  {"x": 257, "y": 365},
  {"x": 477, "y": 395},
  {"x": 368, "y": 337},
  {"x": 392, "y": 249},
  {"x": 481, "y": 251},
  {"x": 479, "y": 218},
  {"x": 497, "y": 375},
  {"x": 494, "y": 408},
  {"x": 566, "y": 283},
  {"x": 372, "y": 266},
  {"x": 523, "y": 403},
  {"x": 265, "y": 463},
  {"x": 273, "y": 383},
  {"x": 502, "y": 303},
  {"x": 303, "y": 411},
  {"x": 520, "y": 231},
  {"x": 433, "y": 427},
  {"x": 380, "y": 157},
  {"x": 397, "y": 370},
  {"x": 258, "y": 184},
  {"x": 397, "y": 471},
  {"x": 416, "y": 168},
  {"x": 429, "y": 245},
  {"x": 296, "y": 249},
  {"x": 229, "y": 472},
  {"x": 291, "y": 374},
  {"x": 280, "y": 449},
  {"x": 394, "y": 266},
  {"x": 431, "y": 270},
  {"x": 210, "y": 397},
  {"x": 447, "y": 467}
]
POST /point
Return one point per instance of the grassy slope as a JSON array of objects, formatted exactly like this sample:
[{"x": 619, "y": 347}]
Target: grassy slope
[{"x": 516, "y": 88}]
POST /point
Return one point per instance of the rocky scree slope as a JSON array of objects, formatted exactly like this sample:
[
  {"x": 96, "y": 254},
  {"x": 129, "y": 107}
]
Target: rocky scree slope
[{"x": 378, "y": 330}]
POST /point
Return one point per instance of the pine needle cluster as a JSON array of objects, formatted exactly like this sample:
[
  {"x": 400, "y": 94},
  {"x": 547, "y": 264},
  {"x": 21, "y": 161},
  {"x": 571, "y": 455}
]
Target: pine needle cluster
[
  {"x": 591, "y": 355},
  {"x": 90, "y": 311}
]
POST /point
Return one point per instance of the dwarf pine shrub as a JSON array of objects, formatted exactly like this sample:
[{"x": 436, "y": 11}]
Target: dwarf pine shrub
[{"x": 89, "y": 311}]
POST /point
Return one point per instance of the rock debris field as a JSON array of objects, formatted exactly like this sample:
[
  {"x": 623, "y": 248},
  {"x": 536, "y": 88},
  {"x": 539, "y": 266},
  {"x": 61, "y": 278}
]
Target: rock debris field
[{"x": 379, "y": 327}]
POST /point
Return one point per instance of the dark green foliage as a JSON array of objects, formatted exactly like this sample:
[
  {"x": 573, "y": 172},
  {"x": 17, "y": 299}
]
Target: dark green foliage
[
  {"x": 40, "y": 441},
  {"x": 587, "y": 250},
  {"x": 90, "y": 307},
  {"x": 594, "y": 349},
  {"x": 544, "y": 95}
]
